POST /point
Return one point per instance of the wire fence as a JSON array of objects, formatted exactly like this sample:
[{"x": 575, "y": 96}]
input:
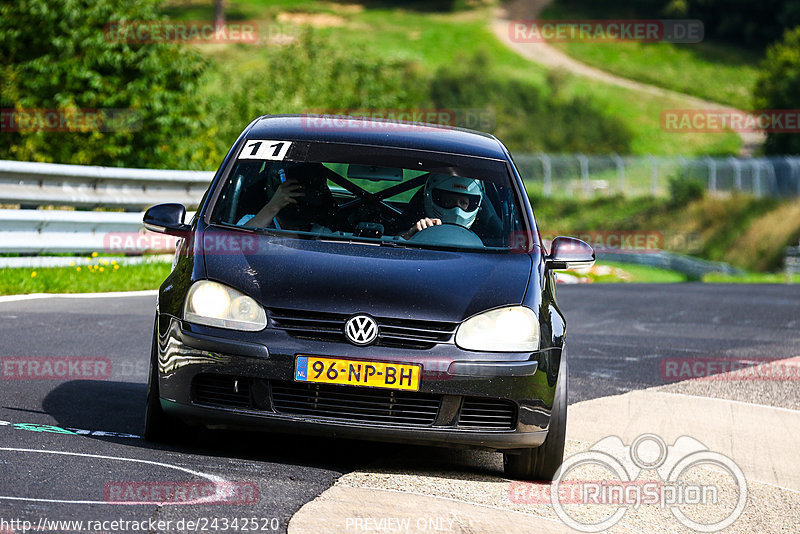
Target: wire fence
[{"x": 582, "y": 176}]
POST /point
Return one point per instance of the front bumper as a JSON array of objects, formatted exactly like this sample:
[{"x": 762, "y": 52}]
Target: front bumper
[{"x": 254, "y": 365}]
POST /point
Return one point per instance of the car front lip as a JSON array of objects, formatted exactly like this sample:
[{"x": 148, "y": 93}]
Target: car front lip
[
  {"x": 187, "y": 350},
  {"x": 225, "y": 418}
]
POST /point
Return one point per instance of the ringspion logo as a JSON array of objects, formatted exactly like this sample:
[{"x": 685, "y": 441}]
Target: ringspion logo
[{"x": 680, "y": 487}]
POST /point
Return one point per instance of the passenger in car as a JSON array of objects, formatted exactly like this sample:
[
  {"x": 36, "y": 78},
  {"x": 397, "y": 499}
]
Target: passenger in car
[{"x": 300, "y": 200}]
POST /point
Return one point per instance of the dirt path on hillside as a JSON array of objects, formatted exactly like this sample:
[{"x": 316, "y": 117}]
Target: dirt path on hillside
[{"x": 551, "y": 57}]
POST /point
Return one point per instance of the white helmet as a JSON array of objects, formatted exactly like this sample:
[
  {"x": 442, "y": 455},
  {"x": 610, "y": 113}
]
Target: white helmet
[{"x": 442, "y": 195}]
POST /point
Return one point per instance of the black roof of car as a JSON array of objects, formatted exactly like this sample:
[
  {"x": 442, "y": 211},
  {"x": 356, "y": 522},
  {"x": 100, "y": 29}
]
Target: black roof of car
[{"x": 377, "y": 132}]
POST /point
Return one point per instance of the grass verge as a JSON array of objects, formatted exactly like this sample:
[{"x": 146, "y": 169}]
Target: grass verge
[
  {"x": 95, "y": 278},
  {"x": 615, "y": 272},
  {"x": 752, "y": 278},
  {"x": 424, "y": 43},
  {"x": 20, "y": 281},
  {"x": 750, "y": 233},
  {"x": 715, "y": 72},
  {"x": 609, "y": 272}
]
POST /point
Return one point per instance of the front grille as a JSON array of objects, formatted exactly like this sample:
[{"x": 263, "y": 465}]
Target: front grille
[
  {"x": 221, "y": 390},
  {"x": 367, "y": 405},
  {"x": 402, "y": 333},
  {"x": 487, "y": 414}
]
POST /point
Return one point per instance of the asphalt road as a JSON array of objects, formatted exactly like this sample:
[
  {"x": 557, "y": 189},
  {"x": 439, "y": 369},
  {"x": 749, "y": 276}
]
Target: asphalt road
[{"x": 618, "y": 336}]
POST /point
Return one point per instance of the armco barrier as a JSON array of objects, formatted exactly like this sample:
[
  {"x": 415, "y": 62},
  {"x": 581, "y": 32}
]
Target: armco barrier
[
  {"x": 60, "y": 231},
  {"x": 82, "y": 186},
  {"x": 693, "y": 267},
  {"x": 37, "y": 231},
  {"x": 792, "y": 263}
]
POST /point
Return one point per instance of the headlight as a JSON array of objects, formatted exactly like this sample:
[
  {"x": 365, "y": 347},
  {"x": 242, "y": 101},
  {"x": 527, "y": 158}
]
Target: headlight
[
  {"x": 213, "y": 304},
  {"x": 511, "y": 329}
]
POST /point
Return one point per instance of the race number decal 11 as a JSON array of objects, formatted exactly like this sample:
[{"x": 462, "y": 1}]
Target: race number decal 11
[{"x": 263, "y": 149}]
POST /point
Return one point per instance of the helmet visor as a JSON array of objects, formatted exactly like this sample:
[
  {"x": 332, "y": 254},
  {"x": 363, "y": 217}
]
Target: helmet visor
[{"x": 449, "y": 200}]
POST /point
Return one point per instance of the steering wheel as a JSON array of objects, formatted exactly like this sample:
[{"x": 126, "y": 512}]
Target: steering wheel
[{"x": 449, "y": 234}]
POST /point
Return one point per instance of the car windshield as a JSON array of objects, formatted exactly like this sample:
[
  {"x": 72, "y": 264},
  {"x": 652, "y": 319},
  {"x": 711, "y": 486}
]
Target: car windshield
[{"x": 371, "y": 194}]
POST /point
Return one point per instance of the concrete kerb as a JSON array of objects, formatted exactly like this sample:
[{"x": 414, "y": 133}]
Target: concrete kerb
[{"x": 760, "y": 439}]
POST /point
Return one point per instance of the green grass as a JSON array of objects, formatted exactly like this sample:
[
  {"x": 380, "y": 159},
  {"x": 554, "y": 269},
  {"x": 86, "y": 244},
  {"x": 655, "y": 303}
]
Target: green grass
[
  {"x": 752, "y": 278},
  {"x": 641, "y": 113},
  {"x": 715, "y": 72},
  {"x": 18, "y": 281},
  {"x": 95, "y": 278},
  {"x": 609, "y": 272},
  {"x": 434, "y": 40},
  {"x": 747, "y": 232},
  {"x": 642, "y": 274}
]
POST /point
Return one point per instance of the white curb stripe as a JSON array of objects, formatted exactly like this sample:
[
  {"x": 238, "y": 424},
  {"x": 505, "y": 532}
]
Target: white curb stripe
[{"x": 120, "y": 294}]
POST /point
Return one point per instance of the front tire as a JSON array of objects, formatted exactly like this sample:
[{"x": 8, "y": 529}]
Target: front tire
[
  {"x": 541, "y": 463},
  {"x": 158, "y": 426}
]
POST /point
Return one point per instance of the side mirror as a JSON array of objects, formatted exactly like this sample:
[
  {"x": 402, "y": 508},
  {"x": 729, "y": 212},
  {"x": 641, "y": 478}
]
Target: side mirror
[
  {"x": 569, "y": 253},
  {"x": 166, "y": 219}
]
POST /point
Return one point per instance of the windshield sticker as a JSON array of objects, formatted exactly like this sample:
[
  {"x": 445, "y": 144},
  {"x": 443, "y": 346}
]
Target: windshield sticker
[{"x": 263, "y": 149}]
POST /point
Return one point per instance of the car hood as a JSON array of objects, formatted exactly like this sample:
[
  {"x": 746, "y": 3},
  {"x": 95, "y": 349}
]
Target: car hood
[{"x": 385, "y": 281}]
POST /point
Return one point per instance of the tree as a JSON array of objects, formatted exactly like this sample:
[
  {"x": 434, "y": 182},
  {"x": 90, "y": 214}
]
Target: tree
[
  {"x": 64, "y": 56},
  {"x": 778, "y": 87},
  {"x": 219, "y": 13}
]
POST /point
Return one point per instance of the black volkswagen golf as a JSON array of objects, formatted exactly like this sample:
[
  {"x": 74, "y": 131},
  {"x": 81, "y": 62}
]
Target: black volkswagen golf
[{"x": 365, "y": 279}]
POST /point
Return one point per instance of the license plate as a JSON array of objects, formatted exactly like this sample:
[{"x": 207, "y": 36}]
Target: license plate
[{"x": 357, "y": 373}]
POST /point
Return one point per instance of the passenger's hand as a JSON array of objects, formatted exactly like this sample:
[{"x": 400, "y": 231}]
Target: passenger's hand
[
  {"x": 287, "y": 193},
  {"x": 421, "y": 225}
]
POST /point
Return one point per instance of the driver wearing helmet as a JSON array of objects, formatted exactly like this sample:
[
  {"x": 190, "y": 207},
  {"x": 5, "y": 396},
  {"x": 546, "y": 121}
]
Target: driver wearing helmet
[{"x": 448, "y": 199}]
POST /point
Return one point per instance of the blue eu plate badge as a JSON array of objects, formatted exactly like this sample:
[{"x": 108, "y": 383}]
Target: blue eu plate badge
[{"x": 301, "y": 371}]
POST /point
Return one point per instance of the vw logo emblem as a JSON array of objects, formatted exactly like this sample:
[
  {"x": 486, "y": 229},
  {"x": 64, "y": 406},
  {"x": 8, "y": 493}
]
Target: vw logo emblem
[{"x": 361, "y": 330}]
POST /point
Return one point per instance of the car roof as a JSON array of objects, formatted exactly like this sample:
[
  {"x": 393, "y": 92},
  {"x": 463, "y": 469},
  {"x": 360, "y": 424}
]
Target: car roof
[{"x": 377, "y": 132}]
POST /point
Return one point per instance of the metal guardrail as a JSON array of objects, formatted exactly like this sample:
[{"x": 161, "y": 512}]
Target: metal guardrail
[
  {"x": 695, "y": 268},
  {"x": 792, "y": 262},
  {"x": 82, "y": 186},
  {"x": 38, "y": 231},
  {"x": 584, "y": 176},
  {"x": 60, "y": 231}
]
